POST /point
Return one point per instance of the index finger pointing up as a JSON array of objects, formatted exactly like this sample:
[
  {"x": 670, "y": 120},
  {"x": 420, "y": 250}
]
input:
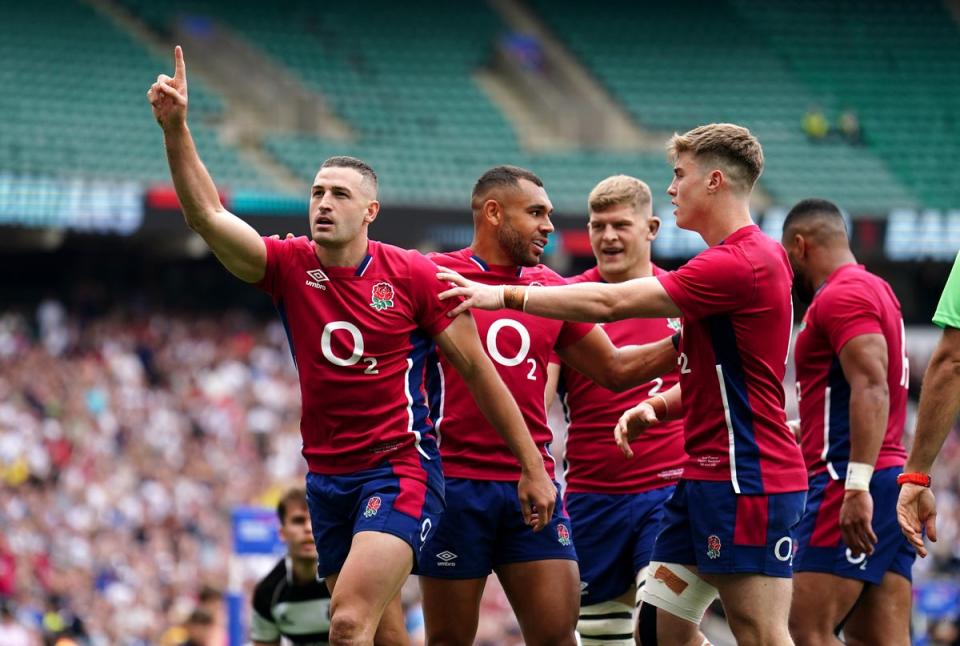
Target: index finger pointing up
[{"x": 180, "y": 68}]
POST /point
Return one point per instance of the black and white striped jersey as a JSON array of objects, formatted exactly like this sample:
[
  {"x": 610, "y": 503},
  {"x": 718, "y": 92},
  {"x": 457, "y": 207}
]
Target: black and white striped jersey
[{"x": 300, "y": 613}]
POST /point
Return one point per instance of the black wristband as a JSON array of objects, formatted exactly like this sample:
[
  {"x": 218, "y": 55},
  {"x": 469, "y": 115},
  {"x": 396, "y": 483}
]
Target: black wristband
[{"x": 675, "y": 339}]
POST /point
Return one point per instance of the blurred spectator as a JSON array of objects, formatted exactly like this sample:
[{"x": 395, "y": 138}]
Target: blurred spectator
[
  {"x": 12, "y": 632},
  {"x": 200, "y": 626},
  {"x": 815, "y": 124},
  {"x": 848, "y": 127}
]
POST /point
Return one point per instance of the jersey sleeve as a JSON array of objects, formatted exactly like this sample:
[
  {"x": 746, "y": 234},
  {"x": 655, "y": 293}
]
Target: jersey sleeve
[
  {"x": 948, "y": 309},
  {"x": 278, "y": 255},
  {"x": 847, "y": 313},
  {"x": 262, "y": 629},
  {"x": 716, "y": 281},
  {"x": 431, "y": 312}
]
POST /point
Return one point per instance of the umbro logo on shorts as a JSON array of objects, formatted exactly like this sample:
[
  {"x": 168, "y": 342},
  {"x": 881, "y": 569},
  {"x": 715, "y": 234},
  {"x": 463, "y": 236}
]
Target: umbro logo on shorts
[{"x": 446, "y": 559}]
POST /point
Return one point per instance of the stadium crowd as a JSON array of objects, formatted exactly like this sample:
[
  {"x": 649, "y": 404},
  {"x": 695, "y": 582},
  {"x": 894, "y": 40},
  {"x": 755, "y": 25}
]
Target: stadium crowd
[{"x": 126, "y": 438}]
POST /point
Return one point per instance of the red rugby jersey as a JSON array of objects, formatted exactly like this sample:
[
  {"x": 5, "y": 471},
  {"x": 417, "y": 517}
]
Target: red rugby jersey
[
  {"x": 361, "y": 339},
  {"x": 737, "y": 320},
  {"x": 594, "y": 463},
  {"x": 851, "y": 302},
  {"x": 520, "y": 346}
]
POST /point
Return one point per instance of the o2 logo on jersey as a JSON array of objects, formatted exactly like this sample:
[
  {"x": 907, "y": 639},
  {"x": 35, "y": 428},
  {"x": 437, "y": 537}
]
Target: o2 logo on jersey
[
  {"x": 857, "y": 560},
  {"x": 355, "y": 355},
  {"x": 381, "y": 296},
  {"x": 493, "y": 350}
]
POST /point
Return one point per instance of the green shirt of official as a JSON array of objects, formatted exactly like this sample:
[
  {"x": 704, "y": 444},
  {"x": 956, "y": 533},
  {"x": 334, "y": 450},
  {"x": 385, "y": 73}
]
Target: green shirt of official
[{"x": 948, "y": 310}]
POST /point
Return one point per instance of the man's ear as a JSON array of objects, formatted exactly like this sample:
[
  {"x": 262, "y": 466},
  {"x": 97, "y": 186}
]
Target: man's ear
[
  {"x": 373, "y": 210},
  {"x": 653, "y": 227}
]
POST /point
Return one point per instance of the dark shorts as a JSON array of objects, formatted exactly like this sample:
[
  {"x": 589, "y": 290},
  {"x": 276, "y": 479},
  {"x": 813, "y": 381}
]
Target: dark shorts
[
  {"x": 615, "y": 536},
  {"x": 403, "y": 497},
  {"x": 820, "y": 547},
  {"x": 483, "y": 528},
  {"x": 708, "y": 525}
]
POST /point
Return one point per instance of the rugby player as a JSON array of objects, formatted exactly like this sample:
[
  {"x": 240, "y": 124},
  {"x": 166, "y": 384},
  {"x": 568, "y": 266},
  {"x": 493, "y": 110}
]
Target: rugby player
[
  {"x": 480, "y": 531},
  {"x": 728, "y": 528},
  {"x": 853, "y": 564},
  {"x": 362, "y": 318}
]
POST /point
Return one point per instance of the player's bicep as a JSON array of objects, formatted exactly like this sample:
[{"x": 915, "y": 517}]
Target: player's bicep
[
  {"x": 237, "y": 246},
  {"x": 864, "y": 360},
  {"x": 592, "y": 356}
]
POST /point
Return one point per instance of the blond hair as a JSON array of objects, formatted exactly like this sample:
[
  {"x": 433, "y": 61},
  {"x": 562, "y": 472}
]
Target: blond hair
[
  {"x": 619, "y": 190},
  {"x": 731, "y": 147}
]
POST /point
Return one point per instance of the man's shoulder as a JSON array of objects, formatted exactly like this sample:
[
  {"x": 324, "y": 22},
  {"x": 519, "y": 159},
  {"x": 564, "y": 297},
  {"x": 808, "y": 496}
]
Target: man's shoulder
[
  {"x": 264, "y": 591},
  {"x": 543, "y": 275}
]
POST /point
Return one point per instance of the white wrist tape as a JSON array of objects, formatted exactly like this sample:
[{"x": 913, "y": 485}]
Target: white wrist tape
[
  {"x": 858, "y": 476},
  {"x": 500, "y": 302}
]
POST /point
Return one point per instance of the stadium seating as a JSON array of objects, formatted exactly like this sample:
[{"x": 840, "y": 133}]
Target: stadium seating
[
  {"x": 405, "y": 84},
  {"x": 896, "y": 63},
  {"x": 74, "y": 102},
  {"x": 678, "y": 65}
]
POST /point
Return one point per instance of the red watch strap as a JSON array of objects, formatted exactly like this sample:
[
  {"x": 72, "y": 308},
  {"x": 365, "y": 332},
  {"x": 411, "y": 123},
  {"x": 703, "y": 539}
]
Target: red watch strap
[{"x": 922, "y": 479}]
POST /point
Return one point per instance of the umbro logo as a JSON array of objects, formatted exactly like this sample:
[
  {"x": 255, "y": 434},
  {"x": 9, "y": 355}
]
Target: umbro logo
[
  {"x": 317, "y": 277},
  {"x": 446, "y": 559}
]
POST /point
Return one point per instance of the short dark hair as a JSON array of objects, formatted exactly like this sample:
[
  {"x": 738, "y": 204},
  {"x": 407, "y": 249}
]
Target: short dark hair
[
  {"x": 500, "y": 176},
  {"x": 806, "y": 210},
  {"x": 362, "y": 167},
  {"x": 200, "y": 617},
  {"x": 295, "y": 497}
]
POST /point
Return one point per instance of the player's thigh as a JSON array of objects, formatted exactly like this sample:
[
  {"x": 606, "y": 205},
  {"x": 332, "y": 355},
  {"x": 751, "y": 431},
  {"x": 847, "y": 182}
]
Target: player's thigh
[
  {"x": 883, "y": 614},
  {"x": 545, "y": 596},
  {"x": 451, "y": 609},
  {"x": 820, "y": 603},
  {"x": 757, "y": 605},
  {"x": 372, "y": 575}
]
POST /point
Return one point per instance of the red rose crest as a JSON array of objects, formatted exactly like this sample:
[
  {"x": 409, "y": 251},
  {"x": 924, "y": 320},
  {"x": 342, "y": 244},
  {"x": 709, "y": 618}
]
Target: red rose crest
[
  {"x": 563, "y": 534},
  {"x": 382, "y": 296},
  {"x": 373, "y": 506},
  {"x": 713, "y": 546}
]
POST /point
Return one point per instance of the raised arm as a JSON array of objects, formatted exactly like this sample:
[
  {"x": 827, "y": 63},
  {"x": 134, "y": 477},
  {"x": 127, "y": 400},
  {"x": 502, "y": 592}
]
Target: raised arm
[
  {"x": 589, "y": 302},
  {"x": 619, "y": 368},
  {"x": 234, "y": 242},
  {"x": 461, "y": 346}
]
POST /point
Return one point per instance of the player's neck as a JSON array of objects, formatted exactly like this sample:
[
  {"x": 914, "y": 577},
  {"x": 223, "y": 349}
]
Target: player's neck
[
  {"x": 349, "y": 255},
  {"x": 304, "y": 571},
  {"x": 725, "y": 220},
  {"x": 832, "y": 260},
  {"x": 491, "y": 252}
]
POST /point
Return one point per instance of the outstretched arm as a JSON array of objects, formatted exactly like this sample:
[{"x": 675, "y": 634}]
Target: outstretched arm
[
  {"x": 234, "y": 242},
  {"x": 619, "y": 368},
  {"x": 589, "y": 302},
  {"x": 461, "y": 346}
]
